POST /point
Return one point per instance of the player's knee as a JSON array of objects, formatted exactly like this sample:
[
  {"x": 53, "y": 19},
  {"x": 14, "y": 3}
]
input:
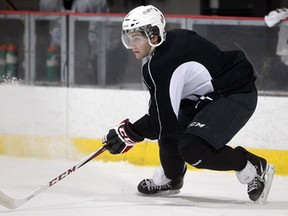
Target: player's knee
[
  {"x": 193, "y": 150},
  {"x": 168, "y": 146}
]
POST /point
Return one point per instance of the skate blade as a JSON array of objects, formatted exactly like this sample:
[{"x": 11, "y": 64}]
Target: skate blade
[
  {"x": 161, "y": 193},
  {"x": 269, "y": 175}
]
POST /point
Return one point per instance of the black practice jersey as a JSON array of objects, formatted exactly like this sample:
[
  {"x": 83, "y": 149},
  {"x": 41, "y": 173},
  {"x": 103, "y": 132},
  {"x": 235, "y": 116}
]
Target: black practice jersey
[{"x": 187, "y": 66}]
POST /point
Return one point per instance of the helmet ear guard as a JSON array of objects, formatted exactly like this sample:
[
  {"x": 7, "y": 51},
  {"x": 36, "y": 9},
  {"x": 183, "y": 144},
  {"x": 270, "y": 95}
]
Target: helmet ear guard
[{"x": 152, "y": 31}]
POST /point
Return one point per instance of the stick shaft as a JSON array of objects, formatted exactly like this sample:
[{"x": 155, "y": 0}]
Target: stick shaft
[{"x": 11, "y": 5}]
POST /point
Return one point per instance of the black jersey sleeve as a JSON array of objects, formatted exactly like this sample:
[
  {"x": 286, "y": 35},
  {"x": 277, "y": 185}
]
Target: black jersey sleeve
[{"x": 147, "y": 127}]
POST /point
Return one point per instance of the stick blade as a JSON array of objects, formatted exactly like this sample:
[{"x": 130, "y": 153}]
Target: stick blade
[{"x": 9, "y": 202}]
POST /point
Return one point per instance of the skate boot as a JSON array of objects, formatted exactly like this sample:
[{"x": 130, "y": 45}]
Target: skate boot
[
  {"x": 160, "y": 184},
  {"x": 258, "y": 175}
]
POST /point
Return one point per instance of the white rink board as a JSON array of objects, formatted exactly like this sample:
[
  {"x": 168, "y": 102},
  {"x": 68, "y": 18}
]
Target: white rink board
[{"x": 89, "y": 113}]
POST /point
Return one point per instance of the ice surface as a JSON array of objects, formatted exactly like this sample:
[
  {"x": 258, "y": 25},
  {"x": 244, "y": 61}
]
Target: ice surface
[{"x": 110, "y": 189}]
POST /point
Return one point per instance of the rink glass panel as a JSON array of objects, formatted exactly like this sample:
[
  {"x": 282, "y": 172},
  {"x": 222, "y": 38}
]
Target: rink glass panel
[
  {"x": 91, "y": 53},
  {"x": 13, "y": 31},
  {"x": 259, "y": 43}
]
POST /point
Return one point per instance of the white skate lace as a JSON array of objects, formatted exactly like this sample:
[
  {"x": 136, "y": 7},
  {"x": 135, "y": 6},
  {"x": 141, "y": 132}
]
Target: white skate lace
[
  {"x": 152, "y": 186},
  {"x": 255, "y": 184}
]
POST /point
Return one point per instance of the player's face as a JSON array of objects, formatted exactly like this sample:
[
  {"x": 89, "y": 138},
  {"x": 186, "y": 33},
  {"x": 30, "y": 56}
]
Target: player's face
[{"x": 139, "y": 44}]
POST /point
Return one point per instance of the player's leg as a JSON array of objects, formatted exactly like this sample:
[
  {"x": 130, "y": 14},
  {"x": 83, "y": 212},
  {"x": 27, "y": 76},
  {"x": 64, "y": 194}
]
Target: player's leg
[
  {"x": 200, "y": 154},
  {"x": 204, "y": 143},
  {"x": 168, "y": 178},
  {"x": 257, "y": 174}
]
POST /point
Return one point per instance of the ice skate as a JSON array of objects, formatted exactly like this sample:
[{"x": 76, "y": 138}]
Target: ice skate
[
  {"x": 160, "y": 184},
  {"x": 259, "y": 186}
]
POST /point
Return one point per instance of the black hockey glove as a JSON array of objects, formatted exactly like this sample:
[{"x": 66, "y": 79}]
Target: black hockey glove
[{"x": 121, "y": 138}]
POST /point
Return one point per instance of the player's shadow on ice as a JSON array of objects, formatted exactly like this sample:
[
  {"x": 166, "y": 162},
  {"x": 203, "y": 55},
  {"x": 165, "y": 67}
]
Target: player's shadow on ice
[{"x": 216, "y": 202}]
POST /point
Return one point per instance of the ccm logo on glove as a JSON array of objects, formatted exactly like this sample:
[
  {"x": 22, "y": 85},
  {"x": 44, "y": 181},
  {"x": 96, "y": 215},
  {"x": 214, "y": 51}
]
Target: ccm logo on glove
[
  {"x": 121, "y": 138},
  {"x": 124, "y": 135}
]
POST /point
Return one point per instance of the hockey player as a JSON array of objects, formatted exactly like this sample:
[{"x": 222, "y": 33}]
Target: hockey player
[
  {"x": 80, "y": 6},
  {"x": 276, "y": 16},
  {"x": 200, "y": 97}
]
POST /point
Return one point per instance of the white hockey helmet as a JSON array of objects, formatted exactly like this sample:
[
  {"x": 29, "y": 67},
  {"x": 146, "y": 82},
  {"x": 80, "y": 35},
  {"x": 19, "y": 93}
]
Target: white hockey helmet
[{"x": 147, "y": 19}]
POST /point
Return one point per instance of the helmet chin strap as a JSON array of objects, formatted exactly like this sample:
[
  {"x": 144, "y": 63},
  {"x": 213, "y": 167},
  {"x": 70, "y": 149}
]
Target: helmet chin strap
[{"x": 151, "y": 50}]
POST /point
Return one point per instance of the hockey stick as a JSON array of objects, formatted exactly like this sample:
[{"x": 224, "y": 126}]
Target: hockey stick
[
  {"x": 11, "y": 5},
  {"x": 12, "y": 203}
]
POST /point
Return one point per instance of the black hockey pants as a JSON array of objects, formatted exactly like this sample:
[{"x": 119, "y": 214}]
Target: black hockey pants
[{"x": 203, "y": 143}]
